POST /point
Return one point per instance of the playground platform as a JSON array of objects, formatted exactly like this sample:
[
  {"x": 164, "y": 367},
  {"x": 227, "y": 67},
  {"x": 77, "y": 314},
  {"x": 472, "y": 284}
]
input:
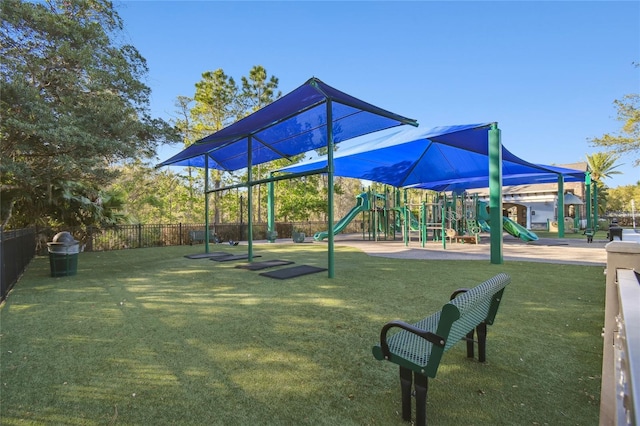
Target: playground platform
[{"x": 545, "y": 250}]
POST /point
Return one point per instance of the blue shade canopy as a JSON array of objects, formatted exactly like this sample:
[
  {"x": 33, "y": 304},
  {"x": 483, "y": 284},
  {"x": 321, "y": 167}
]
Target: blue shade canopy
[
  {"x": 291, "y": 125},
  {"x": 451, "y": 158}
]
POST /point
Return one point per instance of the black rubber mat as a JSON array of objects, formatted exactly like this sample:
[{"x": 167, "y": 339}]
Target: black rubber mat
[
  {"x": 295, "y": 271},
  {"x": 231, "y": 258},
  {"x": 207, "y": 255},
  {"x": 264, "y": 265}
]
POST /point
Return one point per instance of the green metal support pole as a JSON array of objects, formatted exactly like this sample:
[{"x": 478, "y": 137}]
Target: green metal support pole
[
  {"x": 424, "y": 233},
  {"x": 495, "y": 194},
  {"x": 271, "y": 207},
  {"x": 443, "y": 218},
  {"x": 560, "y": 206},
  {"x": 387, "y": 204},
  {"x": 249, "y": 199},
  {"x": 206, "y": 203},
  {"x": 595, "y": 206},
  {"x": 407, "y": 217},
  {"x": 330, "y": 173},
  {"x": 587, "y": 183},
  {"x": 374, "y": 212}
]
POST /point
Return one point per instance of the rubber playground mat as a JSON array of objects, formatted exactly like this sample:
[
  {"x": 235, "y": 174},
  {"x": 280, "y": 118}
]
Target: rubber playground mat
[
  {"x": 230, "y": 258},
  {"x": 295, "y": 271},
  {"x": 264, "y": 265},
  {"x": 207, "y": 255}
]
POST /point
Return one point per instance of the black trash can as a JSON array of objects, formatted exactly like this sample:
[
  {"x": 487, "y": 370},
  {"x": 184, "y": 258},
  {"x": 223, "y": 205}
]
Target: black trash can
[
  {"x": 63, "y": 255},
  {"x": 614, "y": 230}
]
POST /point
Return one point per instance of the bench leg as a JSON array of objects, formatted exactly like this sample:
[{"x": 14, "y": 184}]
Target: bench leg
[
  {"x": 482, "y": 342},
  {"x": 469, "y": 340},
  {"x": 422, "y": 386},
  {"x": 406, "y": 379}
]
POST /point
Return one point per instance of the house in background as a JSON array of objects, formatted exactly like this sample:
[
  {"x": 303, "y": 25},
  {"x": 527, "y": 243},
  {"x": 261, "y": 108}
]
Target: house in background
[{"x": 536, "y": 206}]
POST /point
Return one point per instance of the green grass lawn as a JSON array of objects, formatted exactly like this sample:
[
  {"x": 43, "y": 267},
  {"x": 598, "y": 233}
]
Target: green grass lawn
[
  {"x": 148, "y": 337},
  {"x": 600, "y": 234},
  {"x": 568, "y": 234}
]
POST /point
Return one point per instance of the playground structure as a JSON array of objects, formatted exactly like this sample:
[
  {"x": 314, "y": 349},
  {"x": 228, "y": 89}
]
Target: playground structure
[{"x": 437, "y": 217}]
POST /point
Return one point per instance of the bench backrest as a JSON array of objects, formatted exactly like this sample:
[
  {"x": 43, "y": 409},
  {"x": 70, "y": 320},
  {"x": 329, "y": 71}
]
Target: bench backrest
[
  {"x": 199, "y": 235},
  {"x": 464, "y": 313}
]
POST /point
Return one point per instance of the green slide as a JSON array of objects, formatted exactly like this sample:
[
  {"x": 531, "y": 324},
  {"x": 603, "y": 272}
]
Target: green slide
[
  {"x": 517, "y": 230},
  {"x": 362, "y": 205},
  {"x": 508, "y": 225},
  {"x": 414, "y": 225}
]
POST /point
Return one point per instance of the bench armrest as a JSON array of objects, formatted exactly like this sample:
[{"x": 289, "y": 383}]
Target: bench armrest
[
  {"x": 457, "y": 292},
  {"x": 427, "y": 335}
]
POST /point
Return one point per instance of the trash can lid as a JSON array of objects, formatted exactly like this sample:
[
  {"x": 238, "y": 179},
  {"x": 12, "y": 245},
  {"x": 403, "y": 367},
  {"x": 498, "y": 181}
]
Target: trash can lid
[{"x": 64, "y": 238}]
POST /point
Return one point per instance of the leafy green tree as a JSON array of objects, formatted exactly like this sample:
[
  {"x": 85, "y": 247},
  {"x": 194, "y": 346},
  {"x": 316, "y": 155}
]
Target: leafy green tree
[
  {"x": 620, "y": 198},
  {"x": 300, "y": 199},
  {"x": 157, "y": 196},
  {"x": 217, "y": 102},
  {"x": 73, "y": 104},
  {"x": 259, "y": 90},
  {"x": 74, "y": 204},
  {"x": 345, "y": 196},
  {"x": 627, "y": 142}
]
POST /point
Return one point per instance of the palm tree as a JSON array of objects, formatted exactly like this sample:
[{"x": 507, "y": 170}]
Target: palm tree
[{"x": 601, "y": 166}]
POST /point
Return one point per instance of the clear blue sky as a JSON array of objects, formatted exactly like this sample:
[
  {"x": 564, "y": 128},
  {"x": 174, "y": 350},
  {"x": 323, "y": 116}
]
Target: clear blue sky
[{"x": 547, "y": 72}]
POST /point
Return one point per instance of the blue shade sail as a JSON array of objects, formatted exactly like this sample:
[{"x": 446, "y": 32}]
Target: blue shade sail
[
  {"x": 449, "y": 158},
  {"x": 294, "y": 124}
]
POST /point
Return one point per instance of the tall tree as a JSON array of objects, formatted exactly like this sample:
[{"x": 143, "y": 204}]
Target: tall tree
[
  {"x": 258, "y": 91},
  {"x": 217, "y": 104},
  {"x": 183, "y": 125},
  {"x": 218, "y": 101},
  {"x": 628, "y": 141},
  {"x": 73, "y": 104}
]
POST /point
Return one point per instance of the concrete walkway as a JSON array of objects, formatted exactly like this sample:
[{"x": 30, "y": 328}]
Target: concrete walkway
[{"x": 546, "y": 250}]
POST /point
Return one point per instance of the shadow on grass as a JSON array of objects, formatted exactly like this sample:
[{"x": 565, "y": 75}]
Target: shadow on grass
[{"x": 147, "y": 336}]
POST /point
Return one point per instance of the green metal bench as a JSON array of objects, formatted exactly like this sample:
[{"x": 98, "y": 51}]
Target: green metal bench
[
  {"x": 589, "y": 233},
  {"x": 418, "y": 348},
  {"x": 196, "y": 236}
]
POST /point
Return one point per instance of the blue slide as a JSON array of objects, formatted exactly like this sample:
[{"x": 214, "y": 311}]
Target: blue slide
[{"x": 362, "y": 205}]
